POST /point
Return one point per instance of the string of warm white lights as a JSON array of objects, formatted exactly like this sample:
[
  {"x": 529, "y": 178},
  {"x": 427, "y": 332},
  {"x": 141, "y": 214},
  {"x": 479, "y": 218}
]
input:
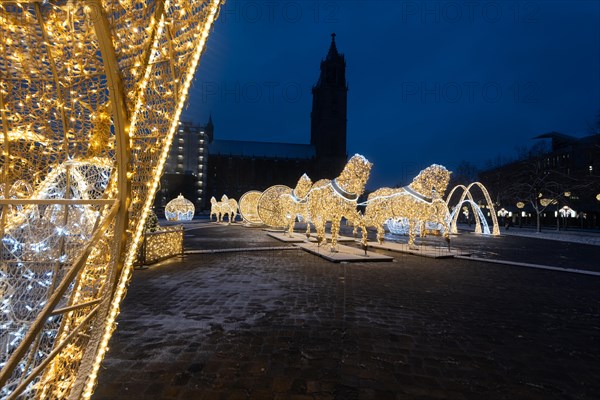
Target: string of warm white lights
[
  {"x": 196, "y": 42},
  {"x": 90, "y": 97},
  {"x": 166, "y": 242}
]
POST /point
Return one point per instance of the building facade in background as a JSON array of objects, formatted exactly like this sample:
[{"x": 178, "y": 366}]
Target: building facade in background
[
  {"x": 568, "y": 171},
  {"x": 186, "y": 166},
  {"x": 200, "y": 166},
  {"x": 235, "y": 167}
]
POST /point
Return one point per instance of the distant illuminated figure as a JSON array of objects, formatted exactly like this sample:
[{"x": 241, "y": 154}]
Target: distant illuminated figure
[
  {"x": 179, "y": 209},
  {"x": 222, "y": 208}
]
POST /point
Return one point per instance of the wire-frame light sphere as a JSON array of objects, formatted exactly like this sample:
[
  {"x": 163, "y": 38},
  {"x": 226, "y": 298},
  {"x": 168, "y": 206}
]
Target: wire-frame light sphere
[{"x": 180, "y": 209}]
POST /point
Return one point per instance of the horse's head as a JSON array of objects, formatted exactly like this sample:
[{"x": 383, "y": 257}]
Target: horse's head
[
  {"x": 213, "y": 200},
  {"x": 355, "y": 175},
  {"x": 224, "y": 198},
  {"x": 302, "y": 187},
  {"x": 432, "y": 181}
]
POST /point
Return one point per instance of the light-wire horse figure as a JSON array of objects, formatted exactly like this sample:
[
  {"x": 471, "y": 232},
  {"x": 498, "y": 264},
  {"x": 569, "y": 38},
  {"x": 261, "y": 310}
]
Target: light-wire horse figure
[
  {"x": 419, "y": 202},
  {"x": 295, "y": 204},
  {"x": 332, "y": 200}
]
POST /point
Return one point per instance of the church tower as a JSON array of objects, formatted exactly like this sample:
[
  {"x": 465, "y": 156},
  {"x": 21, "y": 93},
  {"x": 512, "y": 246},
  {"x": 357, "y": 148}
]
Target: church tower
[{"x": 328, "y": 116}]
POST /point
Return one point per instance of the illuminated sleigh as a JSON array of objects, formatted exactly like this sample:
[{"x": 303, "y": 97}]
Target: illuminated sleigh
[{"x": 90, "y": 97}]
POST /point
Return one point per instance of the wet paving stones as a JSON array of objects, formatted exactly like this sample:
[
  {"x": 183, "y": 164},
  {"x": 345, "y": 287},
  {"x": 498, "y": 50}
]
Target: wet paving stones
[{"x": 288, "y": 325}]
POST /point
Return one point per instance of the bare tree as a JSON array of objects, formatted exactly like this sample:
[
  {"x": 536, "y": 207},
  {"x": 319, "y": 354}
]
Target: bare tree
[
  {"x": 464, "y": 174},
  {"x": 541, "y": 186}
]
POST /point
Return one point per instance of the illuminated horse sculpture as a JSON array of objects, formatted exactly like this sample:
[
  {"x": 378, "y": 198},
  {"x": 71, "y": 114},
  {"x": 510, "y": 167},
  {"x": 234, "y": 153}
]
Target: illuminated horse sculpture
[
  {"x": 419, "y": 202},
  {"x": 296, "y": 203},
  {"x": 224, "y": 207},
  {"x": 333, "y": 200}
]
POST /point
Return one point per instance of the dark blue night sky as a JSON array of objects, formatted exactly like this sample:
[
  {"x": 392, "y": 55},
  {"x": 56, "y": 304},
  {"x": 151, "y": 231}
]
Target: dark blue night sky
[{"x": 428, "y": 81}]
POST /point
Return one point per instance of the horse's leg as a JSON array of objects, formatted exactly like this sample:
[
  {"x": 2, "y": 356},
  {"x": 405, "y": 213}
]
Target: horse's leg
[
  {"x": 290, "y": 229},
  {"x": 411, "y": 235},
  {"x": 320, "y": 227},
  {"x": 380, "y": 233},
  {"x": 335, "y": 231},
  {"x": 446, "y": 227},
  {"x": 364, "y": 239}
]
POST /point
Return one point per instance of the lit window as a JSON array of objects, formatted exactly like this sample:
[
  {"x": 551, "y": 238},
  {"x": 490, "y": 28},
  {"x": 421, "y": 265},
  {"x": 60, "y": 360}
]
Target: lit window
[{"x": 591, "y": 169}]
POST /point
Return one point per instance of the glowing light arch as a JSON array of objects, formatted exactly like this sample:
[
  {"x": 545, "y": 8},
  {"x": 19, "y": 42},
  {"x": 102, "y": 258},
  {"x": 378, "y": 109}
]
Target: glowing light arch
[{"x": 467, "y": 192}]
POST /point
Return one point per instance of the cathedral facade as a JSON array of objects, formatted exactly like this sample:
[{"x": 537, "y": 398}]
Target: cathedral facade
[
  {"x": 200, "y": 166},
  {"x": 235, "y": 167}
]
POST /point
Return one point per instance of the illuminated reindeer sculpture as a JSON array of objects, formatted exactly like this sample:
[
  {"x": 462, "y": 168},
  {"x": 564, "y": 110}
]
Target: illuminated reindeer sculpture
[
  {"x": 296, "y": 203},
  {"x": 332, "y": 200},
  {"x": 419, "y": 202}
]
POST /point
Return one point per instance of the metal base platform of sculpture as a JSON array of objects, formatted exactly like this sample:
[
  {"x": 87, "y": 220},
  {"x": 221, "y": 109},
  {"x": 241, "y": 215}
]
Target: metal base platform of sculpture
[
  {"x": 301, "y": 237},
  {"x": 422, "y": 250},
  {"x": 344, "y": 253}
]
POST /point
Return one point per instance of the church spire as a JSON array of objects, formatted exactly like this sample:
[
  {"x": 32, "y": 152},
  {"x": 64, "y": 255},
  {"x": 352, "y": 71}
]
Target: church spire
[
  {"x": 328, "y": 115},
  {"x": 210, "y": 129},
  {"x": 333, "y": 52}
]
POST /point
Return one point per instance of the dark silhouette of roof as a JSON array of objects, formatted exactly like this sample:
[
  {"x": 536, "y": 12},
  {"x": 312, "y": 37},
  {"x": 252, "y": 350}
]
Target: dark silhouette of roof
[
  {"x": 558, "y": 139},
  {"x": 244, "y": 148}
]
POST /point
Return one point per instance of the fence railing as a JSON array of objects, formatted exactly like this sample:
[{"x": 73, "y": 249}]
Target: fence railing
[{"x": 159, "y": 245}]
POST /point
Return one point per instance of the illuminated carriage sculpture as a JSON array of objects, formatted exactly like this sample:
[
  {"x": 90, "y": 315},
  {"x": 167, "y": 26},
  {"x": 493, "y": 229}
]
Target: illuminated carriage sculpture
[{"x": 90, "y": 97}]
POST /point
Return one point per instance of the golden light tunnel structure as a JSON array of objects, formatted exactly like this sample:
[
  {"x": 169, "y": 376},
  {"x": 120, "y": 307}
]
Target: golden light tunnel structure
[{"x": 90, "y": 97}]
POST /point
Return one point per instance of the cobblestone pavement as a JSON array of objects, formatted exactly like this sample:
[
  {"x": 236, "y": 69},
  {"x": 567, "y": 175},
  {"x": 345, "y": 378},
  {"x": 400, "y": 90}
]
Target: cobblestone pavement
[{"x": 284, "y": 324}]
